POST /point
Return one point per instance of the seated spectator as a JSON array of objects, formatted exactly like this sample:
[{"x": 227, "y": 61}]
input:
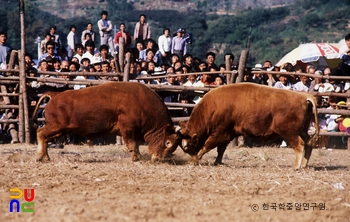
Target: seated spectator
[
  {"x": 283, "y": 82},
  {"x": 50, "y": 47},
  {"x": 303, "y": 85},
  {"x": 219, "y": 80}
]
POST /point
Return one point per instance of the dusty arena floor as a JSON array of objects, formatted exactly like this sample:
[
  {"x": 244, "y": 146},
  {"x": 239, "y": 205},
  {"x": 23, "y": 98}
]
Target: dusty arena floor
[{"x": 100, "y": 183}]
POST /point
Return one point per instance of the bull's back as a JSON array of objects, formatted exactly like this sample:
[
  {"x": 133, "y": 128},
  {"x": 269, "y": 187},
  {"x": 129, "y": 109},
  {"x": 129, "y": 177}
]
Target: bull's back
[
  {"x": 104, "y": 103},
  {"x": 247, "y": 104}
]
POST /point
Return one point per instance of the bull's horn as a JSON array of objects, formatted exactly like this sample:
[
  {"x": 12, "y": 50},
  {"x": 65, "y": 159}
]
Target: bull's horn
[{"x": 177, "y": 129}]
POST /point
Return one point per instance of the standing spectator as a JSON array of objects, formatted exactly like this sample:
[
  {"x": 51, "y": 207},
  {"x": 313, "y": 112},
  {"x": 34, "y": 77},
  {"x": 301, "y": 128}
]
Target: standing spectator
[
  {"x": 57, "y": 37},
  {"x": 125, "y": 35},
  {"x": 90, "y": 31},
  {"x": 50, "y": 47},
  {"x": 105, "y": 28},
  {"x": 43, "y": 43},
  {"x": 164, "y": 44},
  {"x": 178, "y": 44},
  {"x": 4, "y": 50},
  {"x": 87, "y": 37},
  {"x": 72, "y": 39},
  {"x": 344, "y": 53},
  {"x": 142, "y": 29}
]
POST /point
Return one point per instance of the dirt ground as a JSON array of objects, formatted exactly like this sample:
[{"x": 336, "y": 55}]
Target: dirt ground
[{"x": 100, "y": 183}]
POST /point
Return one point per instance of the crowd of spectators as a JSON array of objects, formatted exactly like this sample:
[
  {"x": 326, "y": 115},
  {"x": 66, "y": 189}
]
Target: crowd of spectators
[{"x": 166, "y": 55}]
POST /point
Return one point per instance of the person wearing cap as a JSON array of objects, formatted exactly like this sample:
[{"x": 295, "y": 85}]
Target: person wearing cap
[
  {"x": 105, "y": 30},
  {"x": 283, "y": 82},
  {"x": 142, "y": 29},
  {"x": 178, "y": 44},
  {"x": 164, "y": 44}
]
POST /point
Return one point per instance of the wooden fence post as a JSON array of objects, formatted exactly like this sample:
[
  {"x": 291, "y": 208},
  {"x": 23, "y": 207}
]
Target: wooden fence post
[
  {"x": 241, "y": 66},
  {"x": 228, "y": 65},
  {"x": 121, "y": 54},
  {"x": 127, "y": 67}
]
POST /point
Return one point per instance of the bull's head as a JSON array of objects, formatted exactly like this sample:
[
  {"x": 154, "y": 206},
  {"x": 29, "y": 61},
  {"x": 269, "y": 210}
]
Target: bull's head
[
  {"x": 189, "y": 143},
  {"x": 171, "y": 142}
]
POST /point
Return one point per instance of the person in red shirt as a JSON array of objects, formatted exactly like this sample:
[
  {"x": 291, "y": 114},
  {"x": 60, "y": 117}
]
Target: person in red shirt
[{"x": 122, "y": 34}]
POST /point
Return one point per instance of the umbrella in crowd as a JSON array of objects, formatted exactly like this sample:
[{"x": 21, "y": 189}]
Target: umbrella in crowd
[{"x": 318, "y": 54}]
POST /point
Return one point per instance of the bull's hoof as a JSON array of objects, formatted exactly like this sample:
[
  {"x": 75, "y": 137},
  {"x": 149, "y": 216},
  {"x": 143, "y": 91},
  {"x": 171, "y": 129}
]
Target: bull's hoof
[
  {"x": 43, "y": 159},
  {"x": 135, "y": 158},
  {"x": 194, "y": 161},
  {"x": 218, "y": 163},
  {"x": 155, "y": 159}
]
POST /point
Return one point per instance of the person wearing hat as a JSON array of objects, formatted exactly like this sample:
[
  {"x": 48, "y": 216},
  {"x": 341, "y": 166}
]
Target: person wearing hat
[
  {"x": 283, "y": 82},
  {"x": 178, "y": 44}
]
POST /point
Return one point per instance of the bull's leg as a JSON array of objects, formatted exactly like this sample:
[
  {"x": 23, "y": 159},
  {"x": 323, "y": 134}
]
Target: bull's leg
[
  {"x": 221, "y": 150},
  {"x": 298, "y": 145},
  {"x": 308, "y": 151},
  {"x": 42, "y": 146},
  {"x": 44, "y": 134},
  {"x": 133, "y": 148},
  {"x": 308, "y": 148},
  {"x": 213, "y": 141}
]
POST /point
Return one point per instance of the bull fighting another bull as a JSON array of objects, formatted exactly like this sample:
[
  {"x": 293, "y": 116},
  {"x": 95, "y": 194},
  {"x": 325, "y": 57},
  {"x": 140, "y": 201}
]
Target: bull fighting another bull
[
  {"x": 250, "y": 110},
  {"x": 131, "y": 110}
]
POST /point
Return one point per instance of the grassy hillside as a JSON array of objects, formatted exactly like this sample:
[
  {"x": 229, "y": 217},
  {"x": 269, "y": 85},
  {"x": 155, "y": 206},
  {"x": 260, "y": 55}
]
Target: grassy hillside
[{"x": 273, "y": 31}]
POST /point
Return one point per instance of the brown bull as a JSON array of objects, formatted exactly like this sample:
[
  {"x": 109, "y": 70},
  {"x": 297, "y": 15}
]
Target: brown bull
[
  {"x": 131, "y": 110},
  {"x": 250, "y": 110}
]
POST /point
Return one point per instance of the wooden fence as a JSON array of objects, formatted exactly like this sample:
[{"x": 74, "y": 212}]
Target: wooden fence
[{"x": 13, "y": 77}]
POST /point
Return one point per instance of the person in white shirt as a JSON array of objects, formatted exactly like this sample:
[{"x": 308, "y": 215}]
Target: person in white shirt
[
  {"x": 302, "y": 85},
  {"x": 164, "y": 44},
  {"x": 72, "y": 39}
]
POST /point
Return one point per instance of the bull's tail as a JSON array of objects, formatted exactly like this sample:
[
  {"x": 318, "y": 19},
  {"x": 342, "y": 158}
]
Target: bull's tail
[
  {"x": 46, "y": 95},
  {"x": 312, "y": 141}
]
